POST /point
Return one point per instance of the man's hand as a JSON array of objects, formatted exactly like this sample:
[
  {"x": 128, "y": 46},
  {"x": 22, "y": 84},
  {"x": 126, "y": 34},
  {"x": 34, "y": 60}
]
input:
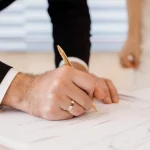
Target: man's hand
[
  {"x": 49, "y": 95},
  {"x": 106, "y": 85},
  {"x": 130, "y": 48},
  {"x": 110, "y": 92}
]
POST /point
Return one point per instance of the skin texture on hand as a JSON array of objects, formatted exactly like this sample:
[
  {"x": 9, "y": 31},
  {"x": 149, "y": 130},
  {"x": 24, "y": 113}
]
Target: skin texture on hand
[{"x": 49, "y": 95}]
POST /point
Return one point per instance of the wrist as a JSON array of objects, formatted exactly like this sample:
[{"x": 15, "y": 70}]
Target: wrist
[
  {"x": 79, "y": 66},
  {"x": 16, "y": 92},
  {"x": 134, "y": 37},
  {"x": 134, "y": 34}
]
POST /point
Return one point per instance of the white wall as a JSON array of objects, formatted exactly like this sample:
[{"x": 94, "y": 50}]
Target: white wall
[{"x": 25, "y": 26}]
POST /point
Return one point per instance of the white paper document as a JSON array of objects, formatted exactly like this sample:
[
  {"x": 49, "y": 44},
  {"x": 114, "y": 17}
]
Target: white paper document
[{"x": 123, "y": 126}]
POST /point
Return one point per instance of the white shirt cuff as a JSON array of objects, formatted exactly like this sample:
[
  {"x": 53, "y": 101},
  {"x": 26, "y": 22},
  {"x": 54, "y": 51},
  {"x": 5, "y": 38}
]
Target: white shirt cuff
[
  {"x": 6, "y": 82},
  {"x": 75, "y": 59}
]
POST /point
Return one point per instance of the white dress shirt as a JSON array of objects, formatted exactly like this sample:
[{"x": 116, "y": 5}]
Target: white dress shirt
[
  {"x": 6, "y": 82},
  {"x": 75, "y": 59}
]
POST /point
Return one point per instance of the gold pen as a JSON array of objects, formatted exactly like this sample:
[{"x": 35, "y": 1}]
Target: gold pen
[{"x": 65, "y": 59}]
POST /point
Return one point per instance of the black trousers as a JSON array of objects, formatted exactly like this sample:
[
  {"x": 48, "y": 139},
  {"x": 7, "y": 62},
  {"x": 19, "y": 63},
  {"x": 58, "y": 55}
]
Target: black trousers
[
  {"x": 71, "y": 27},
  {"x": 5, "y": 3}
]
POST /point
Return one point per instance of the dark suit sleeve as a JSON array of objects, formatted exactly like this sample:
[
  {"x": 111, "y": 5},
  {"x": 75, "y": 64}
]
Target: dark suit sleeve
[
  {"x": 71, "y": 28},
  {"x": 3, "y": 70},
  {"x": 5, "y": 3}
]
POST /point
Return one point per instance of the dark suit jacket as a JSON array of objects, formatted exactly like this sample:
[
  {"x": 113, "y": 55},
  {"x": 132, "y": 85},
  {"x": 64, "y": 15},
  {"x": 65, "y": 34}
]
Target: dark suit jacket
[
  {"x": 71, "y": 29},
  {"x": 5, "y": 3}
]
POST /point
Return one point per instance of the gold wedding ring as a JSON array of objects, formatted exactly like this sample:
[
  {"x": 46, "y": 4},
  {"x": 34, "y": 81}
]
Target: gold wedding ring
[{"x": 71, "y": 106}]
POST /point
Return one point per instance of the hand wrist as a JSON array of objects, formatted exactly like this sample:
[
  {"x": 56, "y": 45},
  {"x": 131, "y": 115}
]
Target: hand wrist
[
  {"x": 135, "y": 37},
  {"x": 79, "y": 66},
  {"x": 134, "y": 33},
  {"x": 16, "y": 92}
]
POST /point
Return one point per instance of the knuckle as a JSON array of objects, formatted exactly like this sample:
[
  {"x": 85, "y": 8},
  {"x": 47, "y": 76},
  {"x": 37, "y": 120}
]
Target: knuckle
[
  {"x": 58, "y": 83},
  {"x": 106, "y": 95}
]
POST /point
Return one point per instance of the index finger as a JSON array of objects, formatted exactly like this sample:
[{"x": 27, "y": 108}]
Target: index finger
[
  {"x": 113, "y": 91},
  {"x": 85, "y": 81}
]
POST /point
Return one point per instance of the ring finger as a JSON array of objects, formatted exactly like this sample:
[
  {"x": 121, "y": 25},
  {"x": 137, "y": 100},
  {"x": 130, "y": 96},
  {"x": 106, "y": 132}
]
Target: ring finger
[{"x": 76, "y": 109}]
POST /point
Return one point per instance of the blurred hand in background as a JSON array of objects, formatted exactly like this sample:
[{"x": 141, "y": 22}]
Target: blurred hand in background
[{"x": 130, "y": 53}]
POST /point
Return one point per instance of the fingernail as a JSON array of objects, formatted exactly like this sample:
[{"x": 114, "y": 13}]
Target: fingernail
[{"x": 108, "y": 100}]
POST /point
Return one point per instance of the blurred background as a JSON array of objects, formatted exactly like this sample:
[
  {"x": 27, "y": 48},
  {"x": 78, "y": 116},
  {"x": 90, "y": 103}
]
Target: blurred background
[
  {"x": 26, "y": 41},
  {"x": 25, "y": 26}
]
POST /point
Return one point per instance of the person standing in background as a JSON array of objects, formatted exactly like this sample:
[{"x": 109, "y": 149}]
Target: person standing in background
[
  {"x": 132, "y": 44},
  {"x": 136, "y": 50}
]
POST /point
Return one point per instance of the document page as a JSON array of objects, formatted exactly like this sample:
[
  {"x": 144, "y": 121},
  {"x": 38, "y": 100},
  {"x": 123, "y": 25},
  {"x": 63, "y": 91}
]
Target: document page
[{"x": 121, "y": 122}]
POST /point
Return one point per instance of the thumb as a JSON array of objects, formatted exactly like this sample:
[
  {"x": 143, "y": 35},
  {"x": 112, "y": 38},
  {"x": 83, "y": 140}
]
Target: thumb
[{"x": 136, "y": 60}]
